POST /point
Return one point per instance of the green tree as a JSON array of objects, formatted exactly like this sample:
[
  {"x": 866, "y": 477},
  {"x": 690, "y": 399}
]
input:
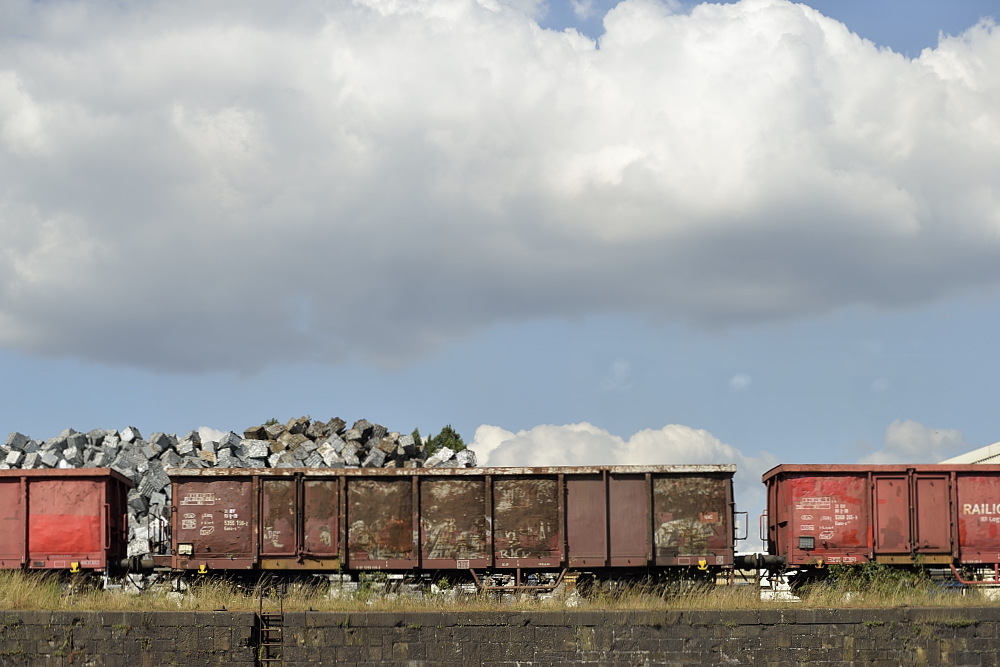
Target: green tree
[
  {"x": 416, "y": 437},
  {"x": 448, "y": 437}
]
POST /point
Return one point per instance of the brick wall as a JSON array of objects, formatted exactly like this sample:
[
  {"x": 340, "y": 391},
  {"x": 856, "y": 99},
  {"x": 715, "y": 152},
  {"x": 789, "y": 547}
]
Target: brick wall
[
  {"x": 781, "y": 637},
  {"x": 879, "y": 637},
  {"x": 126, "y": 639}
]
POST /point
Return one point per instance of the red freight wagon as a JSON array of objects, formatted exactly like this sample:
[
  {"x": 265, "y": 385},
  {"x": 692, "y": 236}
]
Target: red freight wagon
[
  {"x": 70, "y": 519},
  {"x": 897, "y": 514},
  {"x": 452, "y": 518}
]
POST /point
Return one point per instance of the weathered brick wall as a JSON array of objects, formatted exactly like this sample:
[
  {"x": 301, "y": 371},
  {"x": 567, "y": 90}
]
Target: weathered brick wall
[
  {"x": 880, "y": 637},
  {"x": 126, "y": 639}
]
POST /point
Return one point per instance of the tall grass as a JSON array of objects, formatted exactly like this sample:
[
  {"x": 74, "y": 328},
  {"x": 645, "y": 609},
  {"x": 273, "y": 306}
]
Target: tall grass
[{"x": 33, "y": 591}]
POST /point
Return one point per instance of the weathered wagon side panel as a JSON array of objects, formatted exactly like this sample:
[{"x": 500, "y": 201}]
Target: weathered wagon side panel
[
  {"x": 692, "y": 519},
  {"x": 586, "y": 520},
  {"x": 213, "y": 523},
  {"x": 822, "y": 517},
  {"x": 979, "y": 517},
  {"x": 933, "y": 513},
  {"x": 628, "y": 500},
  {"x": 62, "y": 519},
  {"x": 526, "y": 526},
  {"x": 321, "y": 501},
  {"x": 12, "y": 523},
  {"x": 278, "y": 509},
  {"x": 453, "y": 522},
  {"x": 942, "y": 514},
  {"x": 380, "y": 522}
]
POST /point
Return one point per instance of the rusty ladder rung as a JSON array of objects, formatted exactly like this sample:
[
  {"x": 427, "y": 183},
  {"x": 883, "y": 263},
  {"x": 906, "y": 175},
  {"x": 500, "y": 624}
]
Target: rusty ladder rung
[{"x": 271, "y": 626}]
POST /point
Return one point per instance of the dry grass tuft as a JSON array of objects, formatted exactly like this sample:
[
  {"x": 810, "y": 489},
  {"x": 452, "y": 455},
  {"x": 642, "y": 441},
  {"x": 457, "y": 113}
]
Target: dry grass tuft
[{"x": 33, "y": 591}]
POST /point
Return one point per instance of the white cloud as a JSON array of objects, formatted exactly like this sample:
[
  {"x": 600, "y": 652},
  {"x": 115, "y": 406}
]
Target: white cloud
[
  {"x": 583, "y": 9},
  {"x": 586, "y": 444},
  {"x": 740, "y": 382},
  {"x": 911, "y": 442},
  {"x": 194, "y": 188},
  {"x": 619, "y": 376},
  {"x": 880, "y": 385}
]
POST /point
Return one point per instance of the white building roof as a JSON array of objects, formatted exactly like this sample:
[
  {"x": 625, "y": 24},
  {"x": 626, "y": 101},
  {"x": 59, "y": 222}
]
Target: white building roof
[{"x": 987, "y": 454}]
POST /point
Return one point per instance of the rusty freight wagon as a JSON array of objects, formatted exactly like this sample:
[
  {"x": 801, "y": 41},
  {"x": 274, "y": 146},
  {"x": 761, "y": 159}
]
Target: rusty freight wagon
[
  {"x": 472, "y": 519},
  {"x": 70, "y": 519},
  {"x": 943, "y": 515}
]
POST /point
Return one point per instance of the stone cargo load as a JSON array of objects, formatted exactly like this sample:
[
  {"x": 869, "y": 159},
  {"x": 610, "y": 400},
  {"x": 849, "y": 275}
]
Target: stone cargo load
[{"x": 300, "y": 443}]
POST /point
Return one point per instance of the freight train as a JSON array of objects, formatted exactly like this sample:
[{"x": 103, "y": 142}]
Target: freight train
[
  {"x": 503, "y": 527},
  {"x": 524, "y": 527}
]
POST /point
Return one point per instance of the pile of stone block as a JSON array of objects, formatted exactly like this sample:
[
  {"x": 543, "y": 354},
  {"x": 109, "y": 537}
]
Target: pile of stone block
[{"x": 300, "y": 443}]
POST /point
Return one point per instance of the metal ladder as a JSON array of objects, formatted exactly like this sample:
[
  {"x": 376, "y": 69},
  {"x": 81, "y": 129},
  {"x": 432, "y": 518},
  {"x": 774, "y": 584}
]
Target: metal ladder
[{"x": 270, "y": 625}]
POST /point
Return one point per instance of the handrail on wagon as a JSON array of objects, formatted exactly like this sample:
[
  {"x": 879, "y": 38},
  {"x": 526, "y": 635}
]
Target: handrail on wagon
[
  {"x": 746, "y": 526},
  {"x": 996, "y": 577}
]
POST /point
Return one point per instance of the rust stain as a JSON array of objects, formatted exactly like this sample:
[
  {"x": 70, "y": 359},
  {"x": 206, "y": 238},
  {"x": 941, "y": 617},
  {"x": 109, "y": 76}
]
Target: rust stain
[
  {"x": 526, "y": 518},
  {"x": 214, "y": 516},
  {"x": 452, "y": 519},
  {"x": 321, "y": 515},
  {"x": 380, "y": 515},
  {"x": 690, "y": 515},
  {"x": 278, "y": 534}
]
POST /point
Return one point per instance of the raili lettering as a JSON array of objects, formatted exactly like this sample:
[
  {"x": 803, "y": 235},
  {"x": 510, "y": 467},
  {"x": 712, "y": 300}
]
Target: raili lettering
[{"x": 984, "y": 508}]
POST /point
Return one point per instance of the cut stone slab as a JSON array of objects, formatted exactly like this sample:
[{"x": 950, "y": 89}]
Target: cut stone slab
[
  {"x": 171, "y": 459},
  {"x": 78, "y": 440},
  {"x": 73, "y": 455},
  {"x": 440, "y": 456},
  {"x": 375, "y": 459},
  {"x": 292, "y": 440},
  {"x": 255, "y": 433},
  {"x": 256, "y": 449},
  {"x": 297, "y": 426},
  {"x": 160, "y": 441},
  {"x": 17, "y": 441},
  {"x": 131, "y": 434},
  {"x": 336, "y": 442}
]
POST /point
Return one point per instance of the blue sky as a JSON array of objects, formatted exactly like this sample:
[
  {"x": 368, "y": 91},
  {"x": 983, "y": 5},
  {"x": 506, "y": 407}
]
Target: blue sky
[{"x": 333, "y": 215}]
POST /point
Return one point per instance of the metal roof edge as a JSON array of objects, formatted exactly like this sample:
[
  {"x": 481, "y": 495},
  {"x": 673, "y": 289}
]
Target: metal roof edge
[
  {"x": 392, "y": 472},
  {"x": 836, "y": 468},
  {"x": 65, "y": 472}
]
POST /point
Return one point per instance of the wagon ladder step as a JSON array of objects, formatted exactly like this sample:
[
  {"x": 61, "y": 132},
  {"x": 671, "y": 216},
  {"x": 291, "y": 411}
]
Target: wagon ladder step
[{"x": 271, "y": 625}]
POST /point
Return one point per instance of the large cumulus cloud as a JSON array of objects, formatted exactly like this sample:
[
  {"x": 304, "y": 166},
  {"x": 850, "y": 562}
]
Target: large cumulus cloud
[
  {"x": 586, "y": 444},
  {"x": 907, "y": 441},
  {"x": 192, "y": 187}
]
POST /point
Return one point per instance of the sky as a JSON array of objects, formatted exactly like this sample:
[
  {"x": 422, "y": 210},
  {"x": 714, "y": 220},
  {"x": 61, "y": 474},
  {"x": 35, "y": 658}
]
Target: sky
[{"x": 580, "y": 232}]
